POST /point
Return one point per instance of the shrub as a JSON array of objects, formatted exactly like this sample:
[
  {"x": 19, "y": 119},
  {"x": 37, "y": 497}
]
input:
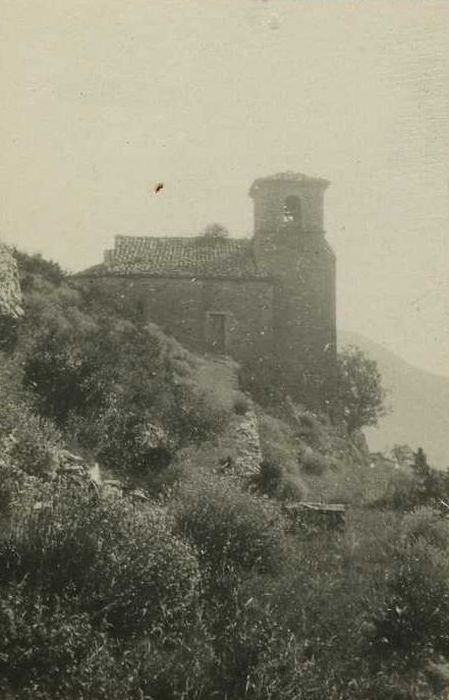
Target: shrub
[
  {"x": 214, "y": 232},
  {"x": 313, "y": 462},
  {"x": 413, "y": 623},
  {"x": 358, "y": 393},
  {"x": 275, "y": 481},
  {"x": 279, "y": 473},
  {"x": 427, "y": 525},
  {"x": 230, "y": 528},
  {"x": 256, "y": 657},
  {"x": 26, "y": 440},
  {"x": 242, "y": 405},
  {"x": 39, "y": 638},
  {"x": 122, "y": 561},
  {"x": 32, "y": 266},
  {"x": 108, "y": 381}
]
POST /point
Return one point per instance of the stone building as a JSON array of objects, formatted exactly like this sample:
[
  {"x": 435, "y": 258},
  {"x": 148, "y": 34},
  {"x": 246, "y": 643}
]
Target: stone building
[
  {"x": 268, "y": 301},
  {"x": 10, "y": 296}
]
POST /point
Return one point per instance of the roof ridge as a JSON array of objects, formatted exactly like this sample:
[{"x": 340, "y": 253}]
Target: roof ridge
[{"x": 121, "y": 236}]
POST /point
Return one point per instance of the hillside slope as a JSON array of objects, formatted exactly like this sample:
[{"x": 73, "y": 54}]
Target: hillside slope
[{"x": 419, "y": 403}]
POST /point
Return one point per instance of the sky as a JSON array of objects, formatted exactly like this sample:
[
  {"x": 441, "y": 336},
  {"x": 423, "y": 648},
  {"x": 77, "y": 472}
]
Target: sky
[{"x": 101, "y": 100}]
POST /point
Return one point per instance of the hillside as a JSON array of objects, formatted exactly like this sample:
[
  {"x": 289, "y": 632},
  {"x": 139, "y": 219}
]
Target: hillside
[
  {"x": 419, "y": 403},
  {"x": 154, "y": 538}
]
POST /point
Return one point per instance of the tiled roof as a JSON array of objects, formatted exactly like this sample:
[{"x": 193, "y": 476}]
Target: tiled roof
[
  {"x": 225, "y": 258},
  {"x": 10, "y": 293}
]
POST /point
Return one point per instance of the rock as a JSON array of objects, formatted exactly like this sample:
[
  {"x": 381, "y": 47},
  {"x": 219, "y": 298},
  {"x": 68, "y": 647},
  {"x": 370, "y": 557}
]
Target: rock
[
  {"x": 10, "y": 292},
  {"x": 95, "y": 473},
  {"x": 67, "y": 456},
  {"x": 244, "y": 433}
]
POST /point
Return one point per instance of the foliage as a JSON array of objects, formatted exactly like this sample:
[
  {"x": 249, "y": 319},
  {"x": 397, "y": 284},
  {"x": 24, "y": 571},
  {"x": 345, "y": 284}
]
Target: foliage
[
  {"x": 32, "y": 266},
  {"x": 107, "y": 382},
  {"x": 81, "y": 575},
  {"x": 26, "y": 439},
  {"x": 242, "y": 404},
  {"x": 205, "y": 592},
  {"x": 215, "y": 232},
  {"x": 417, "y": 485},
  {"x": 413, "y": 621},
  {"x": 358, "y": 393},
  {"x": 230, "y": 528}
]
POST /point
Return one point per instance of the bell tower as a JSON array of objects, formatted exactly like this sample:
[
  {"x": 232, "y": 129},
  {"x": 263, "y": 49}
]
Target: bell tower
[
  {"x": 288, "y": 208},
  {"x": 289, "y": 245}
]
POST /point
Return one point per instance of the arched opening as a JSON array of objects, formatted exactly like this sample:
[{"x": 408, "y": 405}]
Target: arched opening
[{"x": 292, "y": 210}]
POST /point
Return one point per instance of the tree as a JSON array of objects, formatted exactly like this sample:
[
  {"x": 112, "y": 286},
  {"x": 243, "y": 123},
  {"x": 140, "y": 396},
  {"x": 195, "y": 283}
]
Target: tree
[
  {"x": 359, "y": 394},
  {"x": 34, "y": 265},
  {"x": 215, "y": 231}
]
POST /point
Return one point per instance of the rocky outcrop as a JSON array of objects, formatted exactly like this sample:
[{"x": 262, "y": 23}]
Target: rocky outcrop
[
  {"x": 10, "y": 294},
  {"x": 243, "y": 434}
]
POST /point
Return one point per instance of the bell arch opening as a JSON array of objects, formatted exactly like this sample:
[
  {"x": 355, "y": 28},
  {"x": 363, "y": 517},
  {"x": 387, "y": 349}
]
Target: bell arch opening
[{"x": 292, "y": 212}]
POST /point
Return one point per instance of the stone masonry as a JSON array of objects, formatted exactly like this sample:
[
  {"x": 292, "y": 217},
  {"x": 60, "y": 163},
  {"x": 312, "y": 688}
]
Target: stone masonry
[{"x": 268, "y": 302}]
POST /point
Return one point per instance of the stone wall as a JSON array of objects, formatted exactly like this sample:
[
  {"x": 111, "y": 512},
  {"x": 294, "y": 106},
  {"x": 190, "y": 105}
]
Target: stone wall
[
  {"x": 180, "y": 306},
  {"x": 303, "y": 270}
]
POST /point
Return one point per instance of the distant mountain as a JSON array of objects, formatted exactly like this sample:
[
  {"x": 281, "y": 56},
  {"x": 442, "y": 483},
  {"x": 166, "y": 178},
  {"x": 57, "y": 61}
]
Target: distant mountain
[{"x": 419, "y": 401}]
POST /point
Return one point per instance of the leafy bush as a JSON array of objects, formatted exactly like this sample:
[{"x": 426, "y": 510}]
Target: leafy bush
[
  {"x": 416, "y": 485},
  {"x": 257, "y": 657},
  {"x": 427, "y": 525},
  {"x": 105, "y": 381},
  {"x": 242, "y": 404},
  {"x": 279, "y": 475},
  {"x": 414, "y": 621},
  {"x": 358, "y": 393},
  {"x": 26, "y": 440},
  {"x": 230, "y": 528},
  {"x": 32, "y": 266},
  {"x": 122, "y": 561},
  {"x": 215, "y": 231},
  {"x": 313, "y": 462},
  {"x": 41, "y": 636}
]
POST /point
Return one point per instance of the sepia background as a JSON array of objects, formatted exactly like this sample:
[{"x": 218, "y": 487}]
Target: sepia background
[
  {"x": 176, "y": 523},
  {"x": 102, "y": 100}
]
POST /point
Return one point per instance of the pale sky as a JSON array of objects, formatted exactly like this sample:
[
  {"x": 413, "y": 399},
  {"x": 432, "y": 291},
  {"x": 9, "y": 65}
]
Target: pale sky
[{"x": 100, "y": 99}]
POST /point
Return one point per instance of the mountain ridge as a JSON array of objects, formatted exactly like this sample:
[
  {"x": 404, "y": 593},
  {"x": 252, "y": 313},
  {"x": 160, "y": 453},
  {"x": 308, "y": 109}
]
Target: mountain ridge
[{"x": 418, "y": 402}]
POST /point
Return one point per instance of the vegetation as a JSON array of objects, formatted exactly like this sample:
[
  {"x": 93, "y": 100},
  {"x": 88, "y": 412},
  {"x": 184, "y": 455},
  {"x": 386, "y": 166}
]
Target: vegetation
[
  {"x": 199, "y": 587},
  {"x": 215, "y": 231},
  {"x": 359, "y": 395}
]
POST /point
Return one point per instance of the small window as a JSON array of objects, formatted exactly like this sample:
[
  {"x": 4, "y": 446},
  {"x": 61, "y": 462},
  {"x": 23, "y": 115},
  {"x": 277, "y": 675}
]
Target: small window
[
  {"x": 292, "y": 210},
  {"x": 217, "y": 332}
]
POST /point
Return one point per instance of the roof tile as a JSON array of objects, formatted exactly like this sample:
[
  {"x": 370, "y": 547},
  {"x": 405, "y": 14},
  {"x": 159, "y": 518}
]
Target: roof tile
[{"x": 226, "y": 258}]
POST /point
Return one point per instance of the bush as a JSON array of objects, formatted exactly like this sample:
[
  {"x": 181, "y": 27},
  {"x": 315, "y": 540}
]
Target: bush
[
  {"x": 413, "y": 623},
  {"x": 279, "y": 472},
  {"x": 122, "y": 561},
  {"x": 40, "y": 637},
  {"x": 313, "y": 462},
  {"x": 108, "y": 381},
  {"x": 230, "y": 528},
  {"x": 26, "y": 440},
  {"x": 275, "y": 481},
  {"x": 427, "y": 525},
  {"x": 214, "y": 232},
  {"x": 358, "y": 393},
  {"x": 242, "y": 405},
  {"x": 257, "y": 658},
  {"x": 33, "y": 266}
]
